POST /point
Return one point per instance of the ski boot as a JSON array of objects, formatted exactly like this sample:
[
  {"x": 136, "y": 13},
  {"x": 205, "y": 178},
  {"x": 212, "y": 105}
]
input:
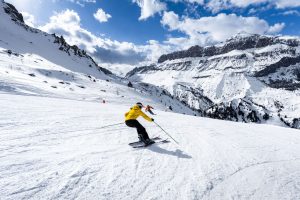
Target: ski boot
[
  {"x": 141, "y": 139},
  {"x": 145, "y": 141},
  {"x": 149, "y": 142}
]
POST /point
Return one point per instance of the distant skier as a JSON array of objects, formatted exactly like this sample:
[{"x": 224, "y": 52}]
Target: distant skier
[
  {"x": 148, "y": 109},
  {"x": 130, "y": 120}
]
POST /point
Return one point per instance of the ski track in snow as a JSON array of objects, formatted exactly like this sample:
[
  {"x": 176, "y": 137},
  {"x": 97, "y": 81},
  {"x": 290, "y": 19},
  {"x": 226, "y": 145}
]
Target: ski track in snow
[{"x": 54, "y": 149}]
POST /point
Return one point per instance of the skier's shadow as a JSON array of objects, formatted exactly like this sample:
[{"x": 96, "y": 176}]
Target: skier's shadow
[{"x": 177, "y": 152}]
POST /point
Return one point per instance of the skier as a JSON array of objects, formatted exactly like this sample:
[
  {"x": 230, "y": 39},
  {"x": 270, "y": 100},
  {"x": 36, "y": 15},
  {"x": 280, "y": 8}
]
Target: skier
[
  {"x": 148, "y": 109},
  {"x": 130, "y": 120}
]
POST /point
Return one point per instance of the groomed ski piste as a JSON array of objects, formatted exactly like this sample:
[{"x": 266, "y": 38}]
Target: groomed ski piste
[{"x": 54, "y": 148}]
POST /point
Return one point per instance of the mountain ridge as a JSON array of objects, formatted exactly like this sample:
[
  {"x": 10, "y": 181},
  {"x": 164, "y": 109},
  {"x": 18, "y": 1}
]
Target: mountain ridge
[{"x": 237, "y": 42}]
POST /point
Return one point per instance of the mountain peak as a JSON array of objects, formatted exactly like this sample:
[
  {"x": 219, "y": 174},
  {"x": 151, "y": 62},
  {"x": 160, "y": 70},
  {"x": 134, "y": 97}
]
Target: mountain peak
[
  {"x": 13, "y": 12},
  {"x": 244, "y": 34}
]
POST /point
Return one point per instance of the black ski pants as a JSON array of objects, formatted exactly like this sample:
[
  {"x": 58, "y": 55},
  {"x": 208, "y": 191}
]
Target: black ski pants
[
  {"x": 150, "y": 111},
  {"x": 140, "y": 129}
]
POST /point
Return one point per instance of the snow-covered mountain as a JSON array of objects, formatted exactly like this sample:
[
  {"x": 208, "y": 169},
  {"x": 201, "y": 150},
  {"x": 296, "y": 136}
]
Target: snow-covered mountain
[
  {"x": 18, "y": 38},
  {"x": 248, "y": 78}
]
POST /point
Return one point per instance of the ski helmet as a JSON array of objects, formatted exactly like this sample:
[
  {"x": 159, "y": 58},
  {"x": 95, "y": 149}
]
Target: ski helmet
[{"x": 139, "y": 104}]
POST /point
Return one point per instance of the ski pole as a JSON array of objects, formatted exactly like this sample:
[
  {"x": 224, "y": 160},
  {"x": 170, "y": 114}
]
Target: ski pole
[{"x": 166, "y": 132}]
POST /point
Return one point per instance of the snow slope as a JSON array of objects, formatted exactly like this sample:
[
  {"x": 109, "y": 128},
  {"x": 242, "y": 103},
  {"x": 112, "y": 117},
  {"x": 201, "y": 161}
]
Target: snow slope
[{"x": 53, "y": 148}]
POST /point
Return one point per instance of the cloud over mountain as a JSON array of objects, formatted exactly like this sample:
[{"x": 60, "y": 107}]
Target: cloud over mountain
[{"x": 212, "y": 29}]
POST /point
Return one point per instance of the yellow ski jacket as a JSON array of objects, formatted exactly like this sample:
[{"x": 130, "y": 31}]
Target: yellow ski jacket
[{"x": 135, "y": 112}]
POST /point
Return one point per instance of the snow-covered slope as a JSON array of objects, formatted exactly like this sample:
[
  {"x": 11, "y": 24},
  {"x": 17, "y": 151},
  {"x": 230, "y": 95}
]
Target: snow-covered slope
[
  {"x": 53, "y": 148},
  {"x": 249, "y": 78}
]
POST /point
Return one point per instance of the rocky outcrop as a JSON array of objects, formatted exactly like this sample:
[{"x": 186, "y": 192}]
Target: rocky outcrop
[
  {"x": 283, "y": 62},
  {"x": 239, "y": 110},
  {"x": 141, "y": 70},
  {"x": 64, "y": 46},
  {"x": 13, "y": 12}
]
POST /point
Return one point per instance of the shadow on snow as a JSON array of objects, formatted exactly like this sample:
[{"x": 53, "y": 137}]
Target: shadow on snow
[{"x": 177, "y": 152}]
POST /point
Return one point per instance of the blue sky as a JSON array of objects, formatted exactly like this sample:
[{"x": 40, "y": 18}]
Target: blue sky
[{"x": 135, "y": 31}]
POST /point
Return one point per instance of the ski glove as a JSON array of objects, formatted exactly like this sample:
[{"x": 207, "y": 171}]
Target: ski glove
[{"x": 152, "y": 119}]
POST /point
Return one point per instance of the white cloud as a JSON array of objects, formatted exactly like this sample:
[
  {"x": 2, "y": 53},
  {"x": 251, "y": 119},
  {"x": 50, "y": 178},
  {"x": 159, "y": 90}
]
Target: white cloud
[
  {"x": 290, "y": 12},
  {"x": 245, "y": 3},
  {"x": 154, "y": 49},
  {"x": 207, "y": 30},
  {"x": 81, "y": 2},
  {"x": 252, "y": 11},
  {"x": 101, "y": 16},
  {"x": 67, "y": 23},
  {"x": 196, "y": 1},
  {"x": 189, "y": 1},
  {"x": 287, "y": 3},
  {"x": 276, "y": 28},
  {"x": 29, "y": 19},
  {"x": 149, "y": 7},
  {"x": 217, "y": 5},
  {"x": 69, "y": 17},
  {"x": 171, "y": 20}
]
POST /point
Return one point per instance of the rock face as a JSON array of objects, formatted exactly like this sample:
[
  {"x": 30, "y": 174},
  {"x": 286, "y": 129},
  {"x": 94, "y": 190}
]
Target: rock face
[
  {"x": 13, "y": 12},
  {"x": 248, "y": 78},
  {"x": 64, "y": 46}
]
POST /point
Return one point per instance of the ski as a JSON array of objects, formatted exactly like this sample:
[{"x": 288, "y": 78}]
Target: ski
[
  {"x": 140, "y": 142},
  {"x": 142, "y": 145}
]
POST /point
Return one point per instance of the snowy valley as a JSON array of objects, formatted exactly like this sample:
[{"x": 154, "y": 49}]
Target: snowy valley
[{"x": 57, "y": 105}]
